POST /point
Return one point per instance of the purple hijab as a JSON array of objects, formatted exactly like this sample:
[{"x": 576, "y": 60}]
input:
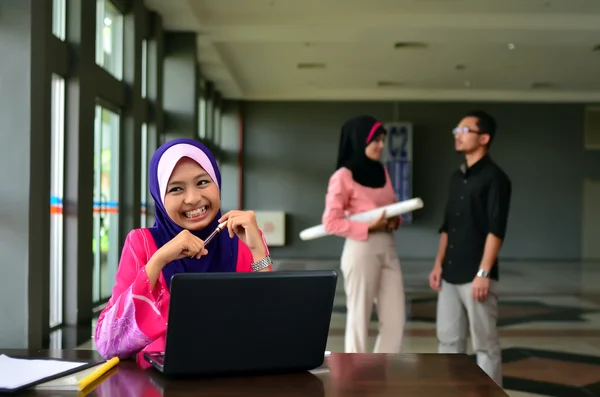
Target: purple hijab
[{"x": 222, "y": 250}]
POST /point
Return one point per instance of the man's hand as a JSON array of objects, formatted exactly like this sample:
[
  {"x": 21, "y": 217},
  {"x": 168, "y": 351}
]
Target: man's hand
[
  {"x": 481, "y": 286},
  {"x": 435, "y": 277}
]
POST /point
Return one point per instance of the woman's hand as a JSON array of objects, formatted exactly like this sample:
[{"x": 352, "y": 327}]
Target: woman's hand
[
  {"x": 394, "y": 223},
  {"x": 185, "y": 244},
  {"x": 380, "y": 223},
  {"x": 243, "y": 224}
]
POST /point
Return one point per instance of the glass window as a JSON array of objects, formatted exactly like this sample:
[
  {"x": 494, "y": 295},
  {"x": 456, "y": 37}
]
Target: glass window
[
  {"x": 210, "y": 117},
  {"x": 109, "y": 38},
  {"x": 202, "y": 118},
  {"x": 217, "y": 126},
  {"x": 152, "y": 142},
  {"x": 144, "y": 74},
  {"x": 59, "y": 18},
  {"x": 56, "y": 339},
  {"x": 144, "y": 176},
  {"x": 57, "y": 170},
  {"x": 105, "y": 240}
]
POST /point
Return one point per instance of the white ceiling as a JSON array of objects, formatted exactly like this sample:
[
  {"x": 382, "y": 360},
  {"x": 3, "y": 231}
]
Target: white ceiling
[{"x": 251, "y": 48}]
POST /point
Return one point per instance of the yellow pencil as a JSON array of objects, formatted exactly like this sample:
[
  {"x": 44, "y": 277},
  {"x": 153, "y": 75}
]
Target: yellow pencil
[{"x": 101, "y": 370}]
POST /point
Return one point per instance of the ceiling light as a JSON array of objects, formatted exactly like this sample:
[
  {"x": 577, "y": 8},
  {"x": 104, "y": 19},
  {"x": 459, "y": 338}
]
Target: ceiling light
[
  {"x": 409, "y": 45},
  {"x": 107, "y": 21},
  {"x": 511, "y": 46},
  {"x": 310, "y": 65},
  {"x": 390, "y": 84},
  {"x": 542, "y": 85}
]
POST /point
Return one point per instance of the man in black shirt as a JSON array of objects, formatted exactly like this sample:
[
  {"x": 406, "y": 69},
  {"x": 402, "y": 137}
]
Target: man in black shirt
[{"x": 466, "y": 268}]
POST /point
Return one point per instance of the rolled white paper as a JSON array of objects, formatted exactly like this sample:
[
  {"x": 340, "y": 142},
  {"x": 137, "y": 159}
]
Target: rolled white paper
[{"x": 392, "y": 210}]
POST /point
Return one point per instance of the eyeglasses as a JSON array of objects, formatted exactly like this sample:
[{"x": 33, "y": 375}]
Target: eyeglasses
[{"x": 463, "y": 130}]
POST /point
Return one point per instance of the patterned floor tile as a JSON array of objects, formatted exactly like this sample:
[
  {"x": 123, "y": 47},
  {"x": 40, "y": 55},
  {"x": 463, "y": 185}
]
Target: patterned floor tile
[
  {"x": 510, "y": 312},
  {"x": 551, "y": 373}
]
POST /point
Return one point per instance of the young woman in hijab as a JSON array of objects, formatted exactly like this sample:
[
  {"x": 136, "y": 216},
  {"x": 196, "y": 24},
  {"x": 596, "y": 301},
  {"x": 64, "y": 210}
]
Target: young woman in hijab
[
  {"x": 369, "y": 260},
  {"x": 185, "y": 184}
]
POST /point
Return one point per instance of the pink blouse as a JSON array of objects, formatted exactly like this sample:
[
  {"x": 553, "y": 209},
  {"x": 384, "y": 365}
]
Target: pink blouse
[
  {"x": 135, "y": 318},
  {"x": 346, "y": 197}
]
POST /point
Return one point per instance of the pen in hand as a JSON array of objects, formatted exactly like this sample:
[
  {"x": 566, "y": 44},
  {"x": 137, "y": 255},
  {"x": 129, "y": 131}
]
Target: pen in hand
[{"x": 213, "y": 234}]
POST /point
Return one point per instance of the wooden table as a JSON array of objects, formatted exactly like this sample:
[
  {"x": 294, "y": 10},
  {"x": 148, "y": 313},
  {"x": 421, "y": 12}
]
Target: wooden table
[{"x": 342, "y": 375}]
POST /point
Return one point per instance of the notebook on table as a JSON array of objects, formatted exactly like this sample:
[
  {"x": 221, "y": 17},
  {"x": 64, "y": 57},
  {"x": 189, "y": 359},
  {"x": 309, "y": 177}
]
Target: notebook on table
[{"x": 17, "y": 374}]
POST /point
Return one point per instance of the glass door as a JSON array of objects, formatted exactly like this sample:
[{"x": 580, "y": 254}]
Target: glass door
[{"x": 105, "y": 240}]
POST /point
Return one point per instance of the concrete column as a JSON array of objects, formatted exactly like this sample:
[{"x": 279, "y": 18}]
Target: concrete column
[
  {"x": 25, "y": 28},
  {"x": 180, "y": 86},
  {"x": 230, "y": 144}
]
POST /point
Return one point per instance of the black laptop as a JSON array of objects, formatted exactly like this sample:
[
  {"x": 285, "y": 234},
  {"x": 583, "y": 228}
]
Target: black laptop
[{"x": 233, "y": 323}]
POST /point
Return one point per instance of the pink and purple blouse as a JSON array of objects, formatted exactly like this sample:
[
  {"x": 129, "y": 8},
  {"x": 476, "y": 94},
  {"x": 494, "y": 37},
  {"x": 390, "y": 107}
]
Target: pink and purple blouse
[{"x": 135, "y": 319}]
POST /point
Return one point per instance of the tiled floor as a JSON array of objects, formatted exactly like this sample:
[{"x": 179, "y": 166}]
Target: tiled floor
[{"x": 549, "y": 323}]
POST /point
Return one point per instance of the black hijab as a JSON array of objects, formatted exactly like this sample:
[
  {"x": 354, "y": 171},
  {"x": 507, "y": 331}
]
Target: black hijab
[{"x": 357, "y": 133}]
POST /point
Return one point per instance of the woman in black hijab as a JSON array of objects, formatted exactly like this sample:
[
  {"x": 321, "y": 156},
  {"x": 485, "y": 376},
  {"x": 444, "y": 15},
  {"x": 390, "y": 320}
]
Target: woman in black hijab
[{"x": 369, "y": 260}]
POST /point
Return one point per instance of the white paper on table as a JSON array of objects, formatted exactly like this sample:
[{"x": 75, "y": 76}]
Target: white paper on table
[
  {"x": 18, "y": 372},
  {"x": 392, "y": 210},
  {"x": 69, "y": 382}
]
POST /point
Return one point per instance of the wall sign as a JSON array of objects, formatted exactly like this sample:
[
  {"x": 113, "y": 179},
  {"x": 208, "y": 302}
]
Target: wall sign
[{"x": 272, "y": 224}]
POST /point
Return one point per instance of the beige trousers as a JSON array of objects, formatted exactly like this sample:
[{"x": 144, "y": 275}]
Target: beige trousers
[{"x": 372, "y": 274}]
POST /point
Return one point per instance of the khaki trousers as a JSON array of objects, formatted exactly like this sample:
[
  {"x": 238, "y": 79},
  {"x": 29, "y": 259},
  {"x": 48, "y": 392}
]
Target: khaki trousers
[{"x": 372, "y": 274}]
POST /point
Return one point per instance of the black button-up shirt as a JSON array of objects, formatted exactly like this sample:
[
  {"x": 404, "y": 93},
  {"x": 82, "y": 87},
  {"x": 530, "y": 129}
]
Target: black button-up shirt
[{"x": 478, "y": 204}]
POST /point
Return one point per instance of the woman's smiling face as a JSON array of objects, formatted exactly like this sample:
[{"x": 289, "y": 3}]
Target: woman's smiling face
[{"x": 192, "y": 198}]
